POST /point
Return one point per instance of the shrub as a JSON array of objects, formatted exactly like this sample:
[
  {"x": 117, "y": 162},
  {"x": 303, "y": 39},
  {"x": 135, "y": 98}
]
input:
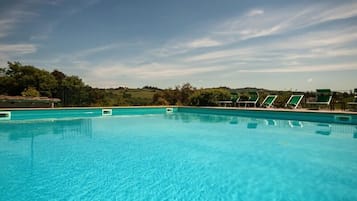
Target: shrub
[{"x": 209, "y": 97}]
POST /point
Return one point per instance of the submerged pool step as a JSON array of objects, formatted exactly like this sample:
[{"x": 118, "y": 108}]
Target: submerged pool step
[{"x": 5, "y": 115}]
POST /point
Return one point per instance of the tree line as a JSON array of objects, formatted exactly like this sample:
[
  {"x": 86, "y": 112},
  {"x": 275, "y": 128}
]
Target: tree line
[{"x": 26, "y": 80}]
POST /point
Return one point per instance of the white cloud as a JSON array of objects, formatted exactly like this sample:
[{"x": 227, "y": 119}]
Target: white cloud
[
  {"x": 5, "y": 26},
  {"x": 150, "y": 71},
  {"x": 229, "y": 47},
  {"x": 255, "y": 12},
  {"x": 17, "y": 48},
  {"x": 304, "y": 68},
  {"x": 324, "y": 44},
  {"x": 115, "y": 74},
  {"x": 12, "y": 17},
  {"x": 276, "y": 21},
  {"x": 267, "y": 22},
  {"x": 203, "y": 42},
  {"x": 8, "y": 51}
]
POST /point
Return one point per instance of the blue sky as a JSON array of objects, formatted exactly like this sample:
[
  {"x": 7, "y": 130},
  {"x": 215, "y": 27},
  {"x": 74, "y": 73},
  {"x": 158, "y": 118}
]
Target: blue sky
[{"x": 297, "y": 45}]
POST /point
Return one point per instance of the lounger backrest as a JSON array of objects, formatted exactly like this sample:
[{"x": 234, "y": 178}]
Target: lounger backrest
[
  {"x": 234, "y": 97},
  {"x": 269, "y": 100},
  {"x": 323, "y": 95},
  {"x": 294, "y": 100},
  {"x": 253, "y": 96}
]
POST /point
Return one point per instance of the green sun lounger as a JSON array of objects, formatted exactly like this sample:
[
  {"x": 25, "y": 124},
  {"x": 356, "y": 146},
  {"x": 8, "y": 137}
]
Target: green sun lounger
[
  {"x": 323, "y": 97},
  {"x": 252, "y": 99},
  {"x": 294, "y": 101},
  {"x": 354, "y": 102},
  {"x": 268, "y": 101},
  {"x": 231, "y": 102}
]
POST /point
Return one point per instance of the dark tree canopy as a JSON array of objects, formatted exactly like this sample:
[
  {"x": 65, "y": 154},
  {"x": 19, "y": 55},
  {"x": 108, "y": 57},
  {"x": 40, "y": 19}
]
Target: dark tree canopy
[{"x": 18, "y": 78}]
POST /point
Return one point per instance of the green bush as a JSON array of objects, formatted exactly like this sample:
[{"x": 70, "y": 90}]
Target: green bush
[
  {"x": 30, "y": 92},
  {"x": 209, "y": 97}
]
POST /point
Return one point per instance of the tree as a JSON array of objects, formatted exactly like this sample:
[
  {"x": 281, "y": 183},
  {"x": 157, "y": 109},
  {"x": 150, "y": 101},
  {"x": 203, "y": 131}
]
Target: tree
[
  {"x": 30, "y": 92},
  {"x": 208, "y": 97},
  {"x": 77, "y": 93},
  {"x": 185, "y": 92},
  {"x": 17, "y": 78},
  {"x": 59, "y": 91}
]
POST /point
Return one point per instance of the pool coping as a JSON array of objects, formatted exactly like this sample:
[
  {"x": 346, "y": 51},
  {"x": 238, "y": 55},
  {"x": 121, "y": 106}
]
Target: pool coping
[
  {"x": 344, "y": 117},
  {"x": 197, "y": 107}
]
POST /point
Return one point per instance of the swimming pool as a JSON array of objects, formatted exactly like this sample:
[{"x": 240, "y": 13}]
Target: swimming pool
[{"x": 182, "y": 154}]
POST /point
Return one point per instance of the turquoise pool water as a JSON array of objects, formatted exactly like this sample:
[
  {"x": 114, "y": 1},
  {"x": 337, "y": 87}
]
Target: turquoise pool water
[{"x": 177, "y": 156}]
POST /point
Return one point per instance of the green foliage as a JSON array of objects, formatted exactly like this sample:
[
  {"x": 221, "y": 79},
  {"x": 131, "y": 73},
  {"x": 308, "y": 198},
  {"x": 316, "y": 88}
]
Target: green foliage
[
  {"x": 178, "y": 96},
  {"x": 209, "y": 97},
  {"x": 30, "y": 92},
  {"x": 76, "y": 93},
  {"x": 18, "y": 77}
]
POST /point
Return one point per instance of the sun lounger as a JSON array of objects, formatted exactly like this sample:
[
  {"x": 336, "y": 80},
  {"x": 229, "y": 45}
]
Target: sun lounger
[
  {"x": 231, "y": 102},
  {"x": 353, "y": 104},
  {"x": 268, "y": 101},
  {"x": 323, "y": 97},
  {"x": 252, "y": 99},
  {"x": 294, "y": 101}
]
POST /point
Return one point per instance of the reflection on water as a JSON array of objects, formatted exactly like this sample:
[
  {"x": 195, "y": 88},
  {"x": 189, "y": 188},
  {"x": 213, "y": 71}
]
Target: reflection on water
[
  {"x": 270, "y": 122},
  {"x": 28, "y": 131},
  {"x": 294, "y": 124},
  {"x": 252, "y": 125},
  {"x": 165, "y": 154},
  {"x": 18, "y": 130},
  {"x": 325, "y": 129}
]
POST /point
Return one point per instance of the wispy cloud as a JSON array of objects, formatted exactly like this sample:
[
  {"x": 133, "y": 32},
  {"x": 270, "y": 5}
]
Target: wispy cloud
[
  {"x": 8, "y": 51},
  {"x": 304, "y": 68},
  {"x": 203, "y": 42},
  {"x": 5, "y": 26},
  {"x": 255, "y": 12},
  {"x": 11, "y": 18},
  {"x": 314, "y": 37},
  {"x": 276, "y": 21},
  {"x": 266, "y": 22},
  {"x": 318, "y": 45},
  {"x": 149, "y": 72},
  {"x": 176, "y": 47},
  {"x": 18, "y": 48},
  {"x": 96, "y": 50}
]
